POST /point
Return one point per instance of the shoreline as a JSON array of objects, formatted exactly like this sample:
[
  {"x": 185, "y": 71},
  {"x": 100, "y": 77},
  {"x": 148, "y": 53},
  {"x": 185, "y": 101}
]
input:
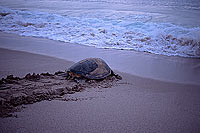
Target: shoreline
[
  {"x": 158, "y": 67},
  {"x": 20, "y": 63}
]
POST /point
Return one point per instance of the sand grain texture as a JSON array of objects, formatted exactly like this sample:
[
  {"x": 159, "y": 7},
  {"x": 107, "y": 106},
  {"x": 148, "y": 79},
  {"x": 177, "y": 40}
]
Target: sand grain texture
[{"x": 135, "y": 105}]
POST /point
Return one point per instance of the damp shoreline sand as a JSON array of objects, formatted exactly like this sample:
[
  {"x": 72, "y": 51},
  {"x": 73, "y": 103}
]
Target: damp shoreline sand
[{"x": 164, "y": 68}]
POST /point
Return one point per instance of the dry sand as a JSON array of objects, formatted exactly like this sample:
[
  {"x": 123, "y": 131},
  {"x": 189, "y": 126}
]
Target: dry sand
[
  {"x": 136, "y": 104},
  {"x": 32, "y": 88}
]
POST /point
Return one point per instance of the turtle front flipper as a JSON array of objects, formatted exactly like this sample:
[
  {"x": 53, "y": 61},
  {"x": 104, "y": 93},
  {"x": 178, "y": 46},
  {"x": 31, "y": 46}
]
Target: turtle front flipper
[
  {"x": 76, "y": 77},
  {"x": 116, "y": 75},
  {"x": 63, "y": 74}
]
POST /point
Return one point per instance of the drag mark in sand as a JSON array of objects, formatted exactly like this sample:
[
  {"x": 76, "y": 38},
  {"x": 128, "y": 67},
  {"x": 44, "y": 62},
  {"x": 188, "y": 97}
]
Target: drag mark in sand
[{"x": 15, "y": 91}]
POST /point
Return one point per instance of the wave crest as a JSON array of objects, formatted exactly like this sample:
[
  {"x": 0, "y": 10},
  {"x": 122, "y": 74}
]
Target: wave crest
[{"x": 132, "y": 31}]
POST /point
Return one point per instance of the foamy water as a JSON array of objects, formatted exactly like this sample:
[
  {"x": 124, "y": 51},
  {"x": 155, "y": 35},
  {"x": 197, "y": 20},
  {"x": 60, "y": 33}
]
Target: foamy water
[{"x": 105, "y": 29}]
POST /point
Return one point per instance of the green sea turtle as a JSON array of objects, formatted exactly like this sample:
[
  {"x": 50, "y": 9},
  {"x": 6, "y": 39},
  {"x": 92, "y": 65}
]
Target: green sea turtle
[{"x": 90, "y": 68}]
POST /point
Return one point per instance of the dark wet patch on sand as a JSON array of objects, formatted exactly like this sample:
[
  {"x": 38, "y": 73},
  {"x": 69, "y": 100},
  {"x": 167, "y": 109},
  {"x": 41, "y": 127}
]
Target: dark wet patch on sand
[{"x": 15, "y": 91}]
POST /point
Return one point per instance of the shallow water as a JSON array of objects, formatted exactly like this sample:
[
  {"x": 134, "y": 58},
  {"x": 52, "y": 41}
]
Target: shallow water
[{"x": 169, "y": 27}]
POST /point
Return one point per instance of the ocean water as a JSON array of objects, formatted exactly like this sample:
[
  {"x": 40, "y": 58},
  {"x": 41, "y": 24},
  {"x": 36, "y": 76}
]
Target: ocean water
[{"x": 169, "y": 27}]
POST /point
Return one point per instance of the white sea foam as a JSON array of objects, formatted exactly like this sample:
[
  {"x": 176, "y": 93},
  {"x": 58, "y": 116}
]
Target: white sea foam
[{"x": 119, "y": 30}]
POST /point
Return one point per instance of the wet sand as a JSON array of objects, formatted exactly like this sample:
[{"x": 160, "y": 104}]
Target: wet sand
[
  {"x": 19, "y": 64},
  {"x": 136, "y": 104},
  {"x": 164, "y": 68}
]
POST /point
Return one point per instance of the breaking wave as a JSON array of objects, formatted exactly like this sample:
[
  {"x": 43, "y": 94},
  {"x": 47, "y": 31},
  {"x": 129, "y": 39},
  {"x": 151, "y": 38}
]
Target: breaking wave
[{"x": 103, "y": 29}]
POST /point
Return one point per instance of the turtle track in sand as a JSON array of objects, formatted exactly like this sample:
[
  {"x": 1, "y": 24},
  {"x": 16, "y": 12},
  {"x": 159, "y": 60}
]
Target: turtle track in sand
[{"x": 16, "y": 91}]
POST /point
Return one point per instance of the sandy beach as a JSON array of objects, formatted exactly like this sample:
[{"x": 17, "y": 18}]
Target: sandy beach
[{"x": 157, "y": 93}]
